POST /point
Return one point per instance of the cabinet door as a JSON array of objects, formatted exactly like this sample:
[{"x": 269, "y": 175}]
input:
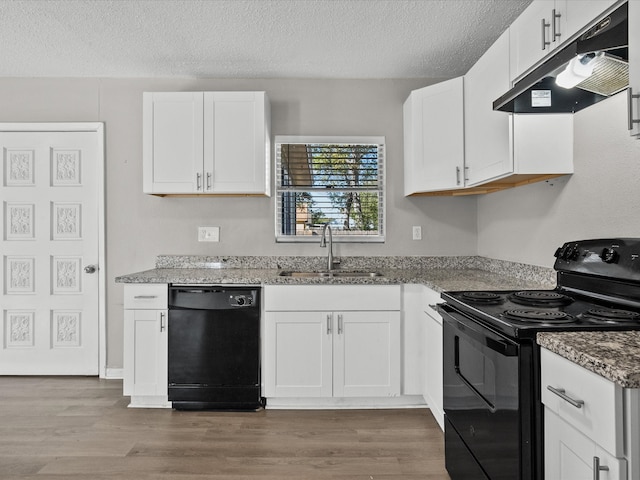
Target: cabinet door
[
  {"x": 569, "y": 455},
  {"x": 578, "y": 14},
  {"x": 236, "y": 145},
  {"x": 530, "y": 39},
  {"x": 434, "y": 138},
  {"x": 634, "y": 69},
  {"x": 298, "y": 359},
  {"x": 486, "y": 132},
  {"x": 172, "y": 142},
  {"x": 366, "y": 354},
  {"x": 542, "y": 143},
  {"x": 433, "y": 377},
  {"x": 145, "y": 353}
]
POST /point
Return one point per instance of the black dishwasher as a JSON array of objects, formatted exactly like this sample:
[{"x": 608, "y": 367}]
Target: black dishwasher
[{"x": 214, "y": 347}]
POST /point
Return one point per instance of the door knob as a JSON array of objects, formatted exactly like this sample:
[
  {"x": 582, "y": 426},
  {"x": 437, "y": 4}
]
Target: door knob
[{"x": 90, "y": 269}]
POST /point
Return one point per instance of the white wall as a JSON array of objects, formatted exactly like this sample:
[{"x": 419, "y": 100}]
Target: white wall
[
  {"x": 139, "y": 226},
  {"x": 601, "y": 199}
]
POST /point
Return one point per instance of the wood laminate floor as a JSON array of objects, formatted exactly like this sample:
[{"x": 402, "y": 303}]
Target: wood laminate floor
[{"x": 71, "y": 428}]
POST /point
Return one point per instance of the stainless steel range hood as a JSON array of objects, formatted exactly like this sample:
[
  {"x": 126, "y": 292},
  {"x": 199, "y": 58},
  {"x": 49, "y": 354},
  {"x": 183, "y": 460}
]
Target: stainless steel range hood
[{"x": 606, "y": 42}]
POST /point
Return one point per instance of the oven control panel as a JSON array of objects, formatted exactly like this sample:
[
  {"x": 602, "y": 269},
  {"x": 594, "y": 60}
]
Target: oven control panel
[{"x": 613, "y": 258}]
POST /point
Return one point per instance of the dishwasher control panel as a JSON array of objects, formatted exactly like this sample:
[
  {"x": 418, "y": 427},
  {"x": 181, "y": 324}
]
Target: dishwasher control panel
[
  {"x": 213, "y": 297},
  {"x": 240, "y": 300}
]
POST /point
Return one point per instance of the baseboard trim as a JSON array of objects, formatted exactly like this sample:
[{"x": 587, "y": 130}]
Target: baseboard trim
[
  {"x": 114, "y": 373},
  {"x": 405, "y": 401}
]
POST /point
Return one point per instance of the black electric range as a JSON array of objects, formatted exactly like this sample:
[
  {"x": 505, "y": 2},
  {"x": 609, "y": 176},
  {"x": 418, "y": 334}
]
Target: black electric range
[{"x": 493, "y": 411}]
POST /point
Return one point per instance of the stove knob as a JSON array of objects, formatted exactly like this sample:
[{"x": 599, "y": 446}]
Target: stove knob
[
  {"x": 571, "y": 252},
  {"x": 609, "y": 255}
]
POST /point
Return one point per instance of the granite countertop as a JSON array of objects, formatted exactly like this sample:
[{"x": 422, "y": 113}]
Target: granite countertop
[
  {"x": 613, "y": 355},
  {"x": 450, "y": 277}
]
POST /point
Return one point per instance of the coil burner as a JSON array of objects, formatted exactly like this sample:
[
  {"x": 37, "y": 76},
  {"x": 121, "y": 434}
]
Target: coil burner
[
  {"x": 538, "y": 316},
  {"x": 486, "y": 298},
  {"x": 609, "y": 316},
  {"x": 540, "y": 298}
]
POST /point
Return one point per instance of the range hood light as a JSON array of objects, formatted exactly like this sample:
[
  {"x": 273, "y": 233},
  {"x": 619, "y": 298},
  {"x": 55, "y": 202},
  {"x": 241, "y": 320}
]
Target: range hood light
[{"x": 579, "y": 69}]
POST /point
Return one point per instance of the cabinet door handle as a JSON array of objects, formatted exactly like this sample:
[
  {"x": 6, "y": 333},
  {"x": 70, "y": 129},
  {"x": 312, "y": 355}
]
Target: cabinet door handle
[
  {"x": 162, "y": 321},
  {"x": 561, "y": 393},
  {"x": 597, "y": 468},
  {"x": 329, "y": 321},
  {"x": 198, "y": 181},
  {"x": 545, "y": 25},
  {"x": 208, "y": 180},
  {"x": 145, "y": 297},
  {"x": 630, "y": 98},
  {"x": 340, "y": 324},
  {"x": 555, "y": 17},
  {"x": 457, "y": 175}
]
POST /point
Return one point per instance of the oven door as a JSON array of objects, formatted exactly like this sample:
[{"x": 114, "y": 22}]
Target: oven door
[{"x": 481, "y": 400}]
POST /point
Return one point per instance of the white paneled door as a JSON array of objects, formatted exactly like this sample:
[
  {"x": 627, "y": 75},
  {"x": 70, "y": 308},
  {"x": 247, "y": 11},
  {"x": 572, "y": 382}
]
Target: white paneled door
[{"x": 50, "y": 250}]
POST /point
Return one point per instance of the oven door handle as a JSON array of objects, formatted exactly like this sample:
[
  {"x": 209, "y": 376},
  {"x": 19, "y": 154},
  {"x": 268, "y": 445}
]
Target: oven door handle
[
  {"x": 486, "y": 338},
  {"x": 492, "y": 407}
]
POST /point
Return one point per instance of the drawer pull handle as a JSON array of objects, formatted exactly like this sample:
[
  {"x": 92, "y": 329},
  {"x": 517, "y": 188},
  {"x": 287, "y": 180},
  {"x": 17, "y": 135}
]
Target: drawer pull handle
[
  {"x": 145, "y": 297},
  {"x": 597, "y": 468},
  {"x": 561, "y": 393}
]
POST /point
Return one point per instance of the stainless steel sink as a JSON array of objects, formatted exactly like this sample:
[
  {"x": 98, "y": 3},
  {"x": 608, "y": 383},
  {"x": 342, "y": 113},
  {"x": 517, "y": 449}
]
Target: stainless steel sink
[{"x": 334, "y": 274}]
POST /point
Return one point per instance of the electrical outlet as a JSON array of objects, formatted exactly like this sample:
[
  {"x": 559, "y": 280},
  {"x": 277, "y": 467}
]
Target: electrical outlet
[
  {"x": 208, "y": 234},
  {"x": 417, "y": 232}
]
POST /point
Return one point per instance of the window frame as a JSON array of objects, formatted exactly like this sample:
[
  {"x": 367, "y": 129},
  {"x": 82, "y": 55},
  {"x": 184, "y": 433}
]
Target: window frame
[{"x": 336, "y": 140}]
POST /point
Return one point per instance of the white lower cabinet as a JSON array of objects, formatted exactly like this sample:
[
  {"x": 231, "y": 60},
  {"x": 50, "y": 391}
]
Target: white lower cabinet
[
  {"x": 145, "y": 345},
  {"x": 432, "y": 390},
  {"x": 584, "y": 423},
  {"x": 332, "y": 341},
  {"x": 570, "y": 455}
]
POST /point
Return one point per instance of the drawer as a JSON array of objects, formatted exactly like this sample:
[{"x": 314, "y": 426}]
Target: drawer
[
  {"x": 331, "y": 297},
  {"x": 600, "y": 416},
  {"x": 146, "y": 296}
]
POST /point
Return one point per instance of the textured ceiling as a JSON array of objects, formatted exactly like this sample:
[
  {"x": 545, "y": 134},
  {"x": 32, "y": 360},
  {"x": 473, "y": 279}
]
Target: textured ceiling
[{"x": 249, "y": 38}]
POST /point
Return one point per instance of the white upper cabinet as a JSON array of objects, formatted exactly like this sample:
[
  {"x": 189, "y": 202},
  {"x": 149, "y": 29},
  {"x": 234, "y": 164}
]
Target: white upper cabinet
[
  {"x": 578, "y": 14},
  {"x": 236, "y": 142},
  {"x": 480, "y": 151},
  {"x": 634, "y": 69},
  {"x": 545, "y": 25},
  {"x": 542, "y": 144},
  {"x": 531, "y": 36},
  {"x": 486, "y": 132},
  {"x": 173, "y": 142},
  {"x": 434, "y": 138},
  {"x": 206, "y": 143}
]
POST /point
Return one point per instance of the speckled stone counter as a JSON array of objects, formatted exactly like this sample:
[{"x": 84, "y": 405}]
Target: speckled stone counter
[
  {"x": 437, "y": 273},
  {"x": 613, "y": 355}
]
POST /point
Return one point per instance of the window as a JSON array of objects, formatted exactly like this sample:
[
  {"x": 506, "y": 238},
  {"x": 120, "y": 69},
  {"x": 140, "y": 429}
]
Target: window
[{"x": 334, "y": 180}]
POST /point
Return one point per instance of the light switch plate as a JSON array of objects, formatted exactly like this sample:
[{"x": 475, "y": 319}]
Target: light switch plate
[
  {"x": 417, "y": 232},
  {"x": 208, "y": 234}
]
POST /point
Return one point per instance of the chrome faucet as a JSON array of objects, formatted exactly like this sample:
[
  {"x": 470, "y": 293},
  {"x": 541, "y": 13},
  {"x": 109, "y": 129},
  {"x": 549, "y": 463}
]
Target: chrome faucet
[{"x": 323, "y": 243}]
